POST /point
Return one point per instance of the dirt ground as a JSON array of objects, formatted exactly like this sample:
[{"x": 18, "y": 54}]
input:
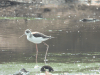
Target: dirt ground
[{"x": 17, "y": 9}]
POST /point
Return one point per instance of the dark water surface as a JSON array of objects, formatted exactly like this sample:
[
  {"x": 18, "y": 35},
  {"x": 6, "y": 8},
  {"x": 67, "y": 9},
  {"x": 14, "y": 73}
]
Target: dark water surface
[{"x": 72, "y": 36}]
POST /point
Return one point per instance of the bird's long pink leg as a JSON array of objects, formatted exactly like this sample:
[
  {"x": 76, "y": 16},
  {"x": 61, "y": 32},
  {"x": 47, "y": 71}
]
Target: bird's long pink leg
[
  {"x": 36, "y": 53},
  {"x": 46, "y": 51}
]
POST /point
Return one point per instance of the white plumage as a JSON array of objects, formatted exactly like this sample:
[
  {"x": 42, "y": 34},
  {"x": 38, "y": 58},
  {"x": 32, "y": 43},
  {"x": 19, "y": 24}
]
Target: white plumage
[{"x": 37, "y": 38}]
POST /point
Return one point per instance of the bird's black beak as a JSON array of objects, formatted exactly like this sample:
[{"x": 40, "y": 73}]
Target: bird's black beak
[{"x": 21, "y": 35}]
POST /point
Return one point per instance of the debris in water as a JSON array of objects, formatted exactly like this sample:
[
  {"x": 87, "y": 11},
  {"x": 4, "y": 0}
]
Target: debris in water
[
  {"x": 78, "y": 31},
  {"x": 97, "y": 8},
  {"x": 60, "y": 30},
  {"x": 30, "y": 8},
  {"x": 50, "y": 30},
  {"x": 89, "y": 20},
  {"x": 66, "y": 31},
  {"x": 58, "y": 16}
]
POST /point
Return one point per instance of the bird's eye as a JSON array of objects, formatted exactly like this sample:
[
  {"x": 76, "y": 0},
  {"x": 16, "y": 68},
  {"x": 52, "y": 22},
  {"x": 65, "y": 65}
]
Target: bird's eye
[{"x": 27, "y": 31}]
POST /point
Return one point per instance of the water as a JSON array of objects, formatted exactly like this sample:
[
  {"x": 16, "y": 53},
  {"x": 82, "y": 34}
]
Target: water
[
  {"x": 72, "y": 36},
  {"x": 75, "y": 37},
  {"x": 75, "y": 48}
]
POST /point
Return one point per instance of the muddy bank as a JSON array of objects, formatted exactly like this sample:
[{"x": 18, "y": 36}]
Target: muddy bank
[
  {"x": 18, "y": 9},
  {"x": 66, "y": 14}
]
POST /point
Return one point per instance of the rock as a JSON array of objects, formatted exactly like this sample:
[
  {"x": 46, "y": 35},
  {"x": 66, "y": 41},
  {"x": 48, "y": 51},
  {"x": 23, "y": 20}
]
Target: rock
[
  {"x": 88, "y": 19},
  {"x": 22, "y": 72},
  {"x": 47, "y": 67}
]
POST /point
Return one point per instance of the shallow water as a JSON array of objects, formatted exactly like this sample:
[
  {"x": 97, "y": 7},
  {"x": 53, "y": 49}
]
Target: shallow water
[
  {"x": 71, "y": 35},
  {"x": 75, "y": 48}
]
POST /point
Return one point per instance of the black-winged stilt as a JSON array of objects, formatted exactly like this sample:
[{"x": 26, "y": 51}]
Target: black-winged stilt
[{"x": 37, "y": 38}]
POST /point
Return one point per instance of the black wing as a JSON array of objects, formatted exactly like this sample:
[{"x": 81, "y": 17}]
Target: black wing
[{"x": 41, "y": 35}]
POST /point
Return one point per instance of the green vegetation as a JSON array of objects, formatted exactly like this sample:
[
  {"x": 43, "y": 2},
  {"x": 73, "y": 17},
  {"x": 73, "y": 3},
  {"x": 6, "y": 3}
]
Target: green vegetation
[
  {"x": 28, "y": 18},
  {"x": 61, "y": 63},
  {"x": 13, "y": 67}
]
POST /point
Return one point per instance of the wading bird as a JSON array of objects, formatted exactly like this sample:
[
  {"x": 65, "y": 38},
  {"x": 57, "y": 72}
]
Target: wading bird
[{"x": 37, "y": 38}]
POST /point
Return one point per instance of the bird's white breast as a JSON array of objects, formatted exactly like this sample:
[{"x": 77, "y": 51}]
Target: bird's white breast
[{"x": 36, "y": 40}]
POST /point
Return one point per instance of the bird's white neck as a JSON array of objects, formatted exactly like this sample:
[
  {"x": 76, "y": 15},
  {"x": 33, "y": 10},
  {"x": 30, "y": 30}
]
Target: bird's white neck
[{"x": 29, "y": 35}]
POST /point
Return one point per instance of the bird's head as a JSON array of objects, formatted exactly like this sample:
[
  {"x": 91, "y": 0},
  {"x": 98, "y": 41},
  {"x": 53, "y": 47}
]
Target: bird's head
[{"x": 27, "y": 32}]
